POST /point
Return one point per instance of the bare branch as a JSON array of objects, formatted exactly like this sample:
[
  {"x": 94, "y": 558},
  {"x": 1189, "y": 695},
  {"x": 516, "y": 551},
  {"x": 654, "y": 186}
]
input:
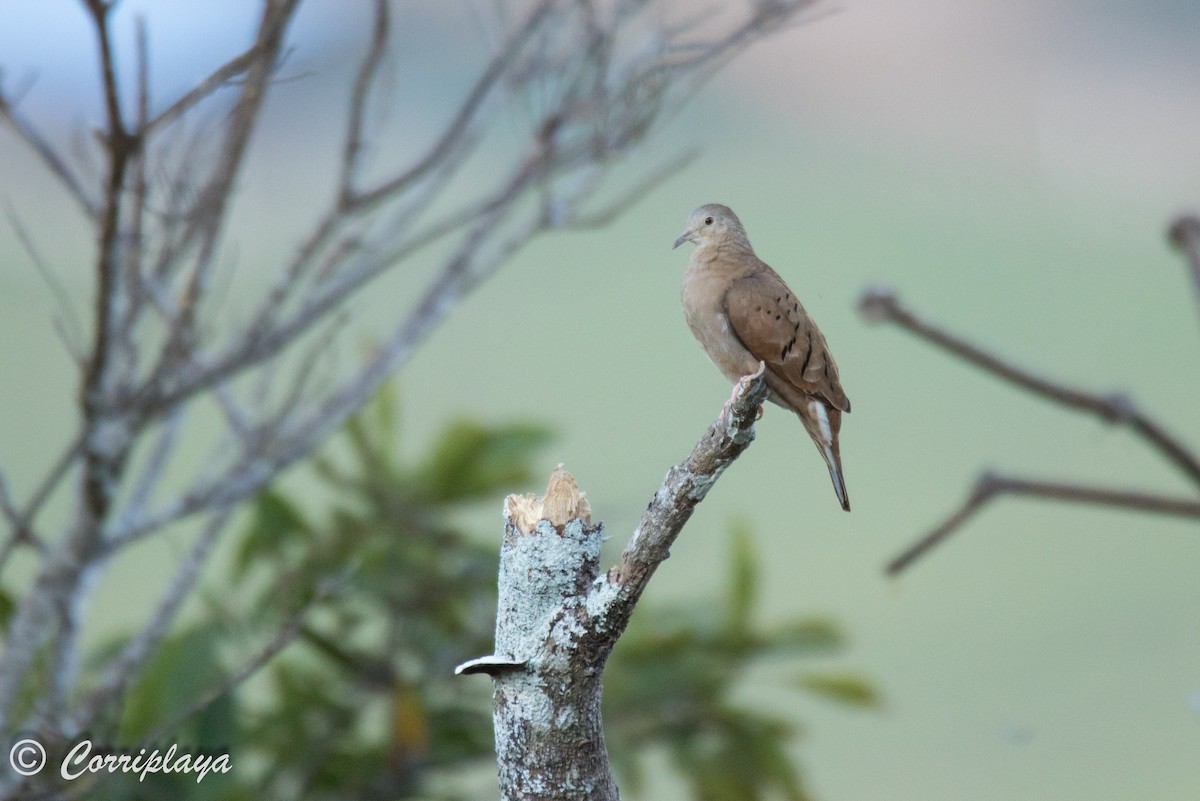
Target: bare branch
[
  {"x": 882, "y": 305},
  {"x": 10, "y": 510},
  {"x": 598, "y": 218},
  {"x": 133, "y": 240},
  {"x": 259, "y": 460},
  {"x": 352, "y": 148},
  {"x": 124, "y": 669},
  {"x": 49, "y": 483},
  {"x": 220, "y": 77},
  {"x": 106, "y": 440},
  {"x": 70, "y": 329},
  {"x": 160, "y": 213},
  {"x": 990, "y": 485},
  {"x": 1185, "y": 235},
  {"x": 612, "y": 601},
  {"x": 99, "y": 11},
  {"x": 454, "y": 132},
  {"x": 329, "y": 297},
  {"x": 54, "y": 162},
  {"x": 160, "y": 454},
  {"x": 208, "y": 214}
]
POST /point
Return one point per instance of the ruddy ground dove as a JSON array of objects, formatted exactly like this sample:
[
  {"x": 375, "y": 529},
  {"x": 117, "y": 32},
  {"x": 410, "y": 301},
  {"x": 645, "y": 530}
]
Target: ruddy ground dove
[{"x": 743, "y": 314}]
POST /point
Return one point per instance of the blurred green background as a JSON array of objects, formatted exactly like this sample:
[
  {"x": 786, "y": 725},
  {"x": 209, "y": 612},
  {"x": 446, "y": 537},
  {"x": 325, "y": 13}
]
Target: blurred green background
[{"x": 1010, "y": 167}]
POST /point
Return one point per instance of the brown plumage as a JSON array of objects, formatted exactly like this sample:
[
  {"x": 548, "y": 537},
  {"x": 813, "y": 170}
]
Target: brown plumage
[{"x": 743, "y": 313}]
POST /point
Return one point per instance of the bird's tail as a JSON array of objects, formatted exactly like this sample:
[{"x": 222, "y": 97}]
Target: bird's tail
[{"x": 823, "y": 424}]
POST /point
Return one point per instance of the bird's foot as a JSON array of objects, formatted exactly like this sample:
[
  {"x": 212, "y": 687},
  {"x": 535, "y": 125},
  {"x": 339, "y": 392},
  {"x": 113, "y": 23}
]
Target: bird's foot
[{"x": 740, "y": 388}]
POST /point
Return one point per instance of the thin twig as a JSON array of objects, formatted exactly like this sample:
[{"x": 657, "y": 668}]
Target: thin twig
[
  {"x": 56, "y": 474},
  {"x": 218, "y": 78},
  {"x": 156, "y": 463},
  {"x": 49, "y": 155},
  {"x": 882, "y": 305},
  {"x": 207, "y": 216},
  {"x": 285, "y": 636},
  {"x": 466, "y": 112},
  {"x": 9, "y": 509},
  {"x": 20, "y": 533},
  {"x": 363, "y": 83},
  {"x": 989, "y": 486},
  {"x": 134, "y": 239},
  {"x": 252, "y": 351},
  {"x": 105, "y": 445},
  {"x": 1185, "y": 235},
  {"x": 71, "y": 330},
  {"x": 122, "y": 670}
]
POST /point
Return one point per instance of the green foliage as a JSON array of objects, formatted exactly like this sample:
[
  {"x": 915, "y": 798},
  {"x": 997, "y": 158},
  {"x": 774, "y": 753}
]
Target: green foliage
[
  {"x": 841, "y": 687},
  {"x": 183, "y": 669},
  {"x": 672, "y": 678},
  {"x": 371, "y": 687},
  {"x": 7, "y": 607},
  {"x": 365, "y": 704}
]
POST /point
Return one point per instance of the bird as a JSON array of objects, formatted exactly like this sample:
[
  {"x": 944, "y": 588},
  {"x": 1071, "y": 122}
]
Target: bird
[{"x": 744, "y": 314}]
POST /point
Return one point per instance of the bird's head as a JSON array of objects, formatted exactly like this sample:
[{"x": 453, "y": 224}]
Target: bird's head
[{"x": 712, "y": 223}]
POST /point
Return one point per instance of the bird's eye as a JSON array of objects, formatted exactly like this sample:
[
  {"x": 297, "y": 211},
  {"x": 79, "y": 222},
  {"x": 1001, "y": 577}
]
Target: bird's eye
[{"x": 708, "y": 220}]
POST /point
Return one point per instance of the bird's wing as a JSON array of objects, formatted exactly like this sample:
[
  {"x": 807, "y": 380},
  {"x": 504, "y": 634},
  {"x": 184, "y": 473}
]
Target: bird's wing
[{"x": 777, "y": 330}]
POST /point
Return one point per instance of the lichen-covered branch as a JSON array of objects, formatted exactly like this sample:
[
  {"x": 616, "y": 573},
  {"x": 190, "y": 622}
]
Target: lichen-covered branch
[{"x": 558, "y": 618}]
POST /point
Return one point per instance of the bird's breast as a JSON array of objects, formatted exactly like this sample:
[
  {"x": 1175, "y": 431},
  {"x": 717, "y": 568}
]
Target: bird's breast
[{"x": 703, "y": 306}]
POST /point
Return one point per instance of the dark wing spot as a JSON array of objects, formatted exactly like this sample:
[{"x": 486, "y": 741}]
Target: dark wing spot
[
  {"x": 778, "y": 317},
  {"x": 796, "y": 326},
  {"x": 807, "y": 356}
]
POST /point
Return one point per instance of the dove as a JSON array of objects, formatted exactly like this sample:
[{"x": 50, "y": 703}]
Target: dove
[{"x": 743, "y": 314}]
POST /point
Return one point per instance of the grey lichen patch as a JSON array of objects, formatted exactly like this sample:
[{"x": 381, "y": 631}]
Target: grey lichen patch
[
  {"x": 541, "y": 575},
  {"x": 563, "y": 502},
  {"x": 565, "y": 630},
  {"x": 600, "y": 599},
  {"x": 701, "y": 484}
]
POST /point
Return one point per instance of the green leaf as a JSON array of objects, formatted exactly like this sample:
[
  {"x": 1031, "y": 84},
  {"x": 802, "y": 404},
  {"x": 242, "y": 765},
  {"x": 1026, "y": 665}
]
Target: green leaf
[
  {"x": 183, "y": 669},
  {"x": 743, "y": 578},
  {"x": 471, "y": 460},
  {"x": 371, "y": 434},
  {"x": 276, "y": 522},
  {"x": 844, "y": 688},
  {"x": 814, "y": 635},
  {"x": 7, "y": 607},
  {"x": 384, "y": 414}
]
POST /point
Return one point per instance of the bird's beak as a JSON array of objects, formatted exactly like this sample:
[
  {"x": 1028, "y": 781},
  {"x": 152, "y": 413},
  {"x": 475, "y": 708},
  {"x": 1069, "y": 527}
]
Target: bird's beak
[{"x": 686, "y": 236}]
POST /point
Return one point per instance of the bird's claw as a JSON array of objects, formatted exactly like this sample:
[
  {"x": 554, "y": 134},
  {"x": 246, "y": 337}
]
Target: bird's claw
[{"x": 740, "y": 388}]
